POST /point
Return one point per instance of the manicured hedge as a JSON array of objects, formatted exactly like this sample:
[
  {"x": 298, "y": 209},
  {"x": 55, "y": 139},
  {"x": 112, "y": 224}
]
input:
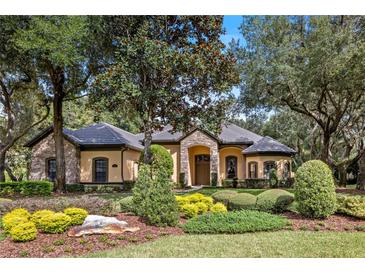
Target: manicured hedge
[
  {"x": 234, "y": 222},
  {"x": 274, "y": 200},
  {"x": 242, "y": 201},
  {"x": 26, "y": 188}
]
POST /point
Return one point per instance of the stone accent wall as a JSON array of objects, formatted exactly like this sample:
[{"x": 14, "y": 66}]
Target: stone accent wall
[
  {"x": 198, "y": 138},
  {"x": 46, "y": 149}
]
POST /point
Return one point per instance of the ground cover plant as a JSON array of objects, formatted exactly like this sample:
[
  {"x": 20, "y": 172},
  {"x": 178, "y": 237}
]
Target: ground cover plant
[
  {"x": 234, "y": 222},
  {"x": 351, "y": 205}
]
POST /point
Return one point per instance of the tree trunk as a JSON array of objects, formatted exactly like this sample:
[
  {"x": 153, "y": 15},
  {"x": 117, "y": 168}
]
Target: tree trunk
[
  {"x": 360, "y": 184},
  {"x": 2, "y": 165},
  {"x": 325, "y": 148},
  {"x": 60, "y": 185},
  {"x": 147, "y": 154},
  {"x": 342, "y": 175}
]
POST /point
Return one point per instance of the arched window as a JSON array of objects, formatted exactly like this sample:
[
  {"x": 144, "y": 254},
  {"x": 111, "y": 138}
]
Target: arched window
[
  {"x": 51, "y": 169},
  {"x": 252, "y": 170},
  {"x": 100, "y": 170},
  {"x": 231, "y": 167},
  {"x": 286, "y": 170},
  {"x": 268, "y": 165}
]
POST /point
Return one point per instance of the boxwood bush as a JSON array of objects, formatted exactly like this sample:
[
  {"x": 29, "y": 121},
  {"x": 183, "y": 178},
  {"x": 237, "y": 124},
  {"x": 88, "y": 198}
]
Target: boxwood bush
[
  {"x": 234, "y": 222},
  {"x": 274, "y": 200},
  {"x": 223, "y": 196},
  {"x": 242, "y": 201},
  {"x": 161, "y": 160},
  {"x": 26, "y": 188},
  {"x": 126, "y": 204},
  {"x": 315, "y": 190}
]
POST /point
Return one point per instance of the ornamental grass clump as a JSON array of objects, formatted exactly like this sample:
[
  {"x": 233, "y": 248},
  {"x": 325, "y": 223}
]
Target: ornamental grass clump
[
  {"x": 315, "y": 190},
  {"x": 77, "y": 215}
]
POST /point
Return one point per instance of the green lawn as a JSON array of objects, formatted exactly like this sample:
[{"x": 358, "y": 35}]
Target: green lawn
[
  {"x": 210, "y": 190},
  {"x": 285, "y": 244}
]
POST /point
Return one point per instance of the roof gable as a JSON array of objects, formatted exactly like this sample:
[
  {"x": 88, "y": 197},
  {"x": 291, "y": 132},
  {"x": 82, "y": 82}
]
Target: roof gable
[{"x": 268, "y": 145}]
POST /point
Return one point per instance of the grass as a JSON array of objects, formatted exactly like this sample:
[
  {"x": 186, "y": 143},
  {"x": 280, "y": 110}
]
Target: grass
[
  {"x": 210, "y": 190},
  {"x": 282, "y": 244}
]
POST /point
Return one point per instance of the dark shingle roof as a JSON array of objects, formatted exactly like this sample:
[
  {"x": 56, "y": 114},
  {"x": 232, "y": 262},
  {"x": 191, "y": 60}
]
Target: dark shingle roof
[{"x": 268, "y": 145}]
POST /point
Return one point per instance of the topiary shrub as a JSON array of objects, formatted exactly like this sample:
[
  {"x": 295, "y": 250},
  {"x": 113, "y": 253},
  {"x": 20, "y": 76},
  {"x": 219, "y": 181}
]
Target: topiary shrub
[
  {"x": 189, "y": 210},
  {"x": 315, "y": 190},
  {"x": 77, "y": 215},
  {"x": 161, "y": 160},
  {"x": 153, "y": 198},
  {"x": 23, "y": 232},
  {"x": 351, "y": 205},
  {"x": 126, "y": 204},
  {"x": 38, "y": 215},
  {"x": 218, "y": 208},
  {"x": 55, "y": 223},
  {"x": 223, "y": 196},
  {"x": 235, "y": 222},
  {"x": 274, "y": 200},
  {"x": 242, "y": 201}
]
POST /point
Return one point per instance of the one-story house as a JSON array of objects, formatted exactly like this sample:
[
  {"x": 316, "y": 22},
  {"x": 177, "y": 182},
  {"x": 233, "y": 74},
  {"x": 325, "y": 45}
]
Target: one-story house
[{"x": 102, "y": 153}]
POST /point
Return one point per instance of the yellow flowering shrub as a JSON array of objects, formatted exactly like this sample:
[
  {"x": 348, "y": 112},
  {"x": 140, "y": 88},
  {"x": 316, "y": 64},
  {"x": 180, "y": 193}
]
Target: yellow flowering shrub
[
  {"x": 218, "y": 208},
  {"x": 202, "y": 207},
  {"x": 77, "y": 215},
  {"x": 55, "y": 223},
  {"x": 23, "y": 232},
  {"x": 38, "y": 215},
  {"x": 15, "y": 217},
  {"x": 189, "y": 210}
]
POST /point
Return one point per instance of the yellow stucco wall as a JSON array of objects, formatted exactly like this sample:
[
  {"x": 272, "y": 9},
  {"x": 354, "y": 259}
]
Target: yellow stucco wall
[
  {"x": 280, "y": 160},
  {"x": 231, "y": 151},
  {"x": 130, "y": 167},
  {"x": 130, "y": 158},
  {"x": 175, "y": 153}
]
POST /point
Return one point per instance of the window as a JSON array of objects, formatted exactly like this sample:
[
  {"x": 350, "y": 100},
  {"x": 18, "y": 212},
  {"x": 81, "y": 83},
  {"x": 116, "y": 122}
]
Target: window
[
  {"x": 252, "y": 170},
  {"x": 231, "y": 167},
  {"x": 286, "y": 170},
  {"x": 268, "y": 165},
  {"x": 100, "y": 167},
  {"x": 51, "y": 169}
]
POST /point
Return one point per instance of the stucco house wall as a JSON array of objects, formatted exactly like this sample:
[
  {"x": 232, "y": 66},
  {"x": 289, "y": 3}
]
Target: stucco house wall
[
  {"x": 44, "y": 150},
  {"x": 231, "y": 151},
  {"x": 260, "y": 159}
]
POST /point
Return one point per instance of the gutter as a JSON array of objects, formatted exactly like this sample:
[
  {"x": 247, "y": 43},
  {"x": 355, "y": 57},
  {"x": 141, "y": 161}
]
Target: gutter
[{"x": 121, "y": 162}]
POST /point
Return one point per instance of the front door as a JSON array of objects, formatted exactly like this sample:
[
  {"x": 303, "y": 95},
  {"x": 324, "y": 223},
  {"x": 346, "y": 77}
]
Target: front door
[{"x": 202, "y": 169}]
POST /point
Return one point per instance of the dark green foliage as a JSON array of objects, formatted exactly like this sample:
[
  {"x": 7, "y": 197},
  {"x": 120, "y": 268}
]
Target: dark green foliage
[
  {"x": 242, "y": 201},
  {"x": 26, "y": 188},
  {"x": 234, "y": 222},
  {"x": 128, "y": 185},
  {"x": 274, "y": 200},
  {"x": 223, "y": 196},
  {"x": 153, "y": 198},
  {"x": 182, "y": 180},
  {"x": 161, "y": 160},
  {"x": 75, "y": 188},
  {"x": 351, "y": 205},
  {"x": 315, "y": 190},
  {"x": 126, "y": 204}
]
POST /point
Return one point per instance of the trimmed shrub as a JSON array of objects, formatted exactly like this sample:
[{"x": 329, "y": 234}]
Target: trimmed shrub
[
  {"x": 9, "y": 221},
  {"x": 77, "y": 215},
  {"x": 161, "y": 160},
  {"x": 55, "y": 223},
  {"x": 223, "y": 196},
  {"x": 38, "y": 215},
  {"x": 26, "y": 188},
  {"x": 153, "y": 198},
  {"x": 23, "y": 232},
  {"x": 234, "y": 222},
  {"x": 274, "y": 200},
  {"x": 181, "y": 200},
  {"x": 315, "y": 190},
  {"x": 242, "y": 201},
  {"x": 218, "y": 208},
  {"x": 194, "y": 198},
  {"x": 21, "y": 212},
  {"x": 75, "y": 188},
  {"x": 190, "y": 210},
  {"x": 202, "y": 207},
  {"x": 126, "y": 204},
  {"x": 351, "y": 205}
]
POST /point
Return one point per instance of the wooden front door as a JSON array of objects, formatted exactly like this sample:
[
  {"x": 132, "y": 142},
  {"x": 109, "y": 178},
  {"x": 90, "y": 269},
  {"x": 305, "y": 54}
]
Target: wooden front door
[{"x": 202, "y": 169}]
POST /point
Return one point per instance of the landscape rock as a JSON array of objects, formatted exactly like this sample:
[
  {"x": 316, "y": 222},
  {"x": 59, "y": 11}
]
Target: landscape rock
[{"x": 98, "y": 221}]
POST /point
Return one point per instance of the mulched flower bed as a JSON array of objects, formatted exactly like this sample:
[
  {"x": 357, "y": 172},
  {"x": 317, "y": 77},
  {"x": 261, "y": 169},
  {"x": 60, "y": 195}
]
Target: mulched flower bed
[
  {"x": 350, "y": 191},
  {"x": 332, "y": 223},
  {"x": 60, "y": 245}
]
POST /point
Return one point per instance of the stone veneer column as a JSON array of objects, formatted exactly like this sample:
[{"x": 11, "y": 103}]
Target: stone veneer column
[{"x": 198, "y": 138}]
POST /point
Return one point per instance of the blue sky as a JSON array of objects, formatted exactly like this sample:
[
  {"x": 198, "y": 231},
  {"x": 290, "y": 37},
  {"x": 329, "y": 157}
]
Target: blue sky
[{"x": 231, "y": 24}]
